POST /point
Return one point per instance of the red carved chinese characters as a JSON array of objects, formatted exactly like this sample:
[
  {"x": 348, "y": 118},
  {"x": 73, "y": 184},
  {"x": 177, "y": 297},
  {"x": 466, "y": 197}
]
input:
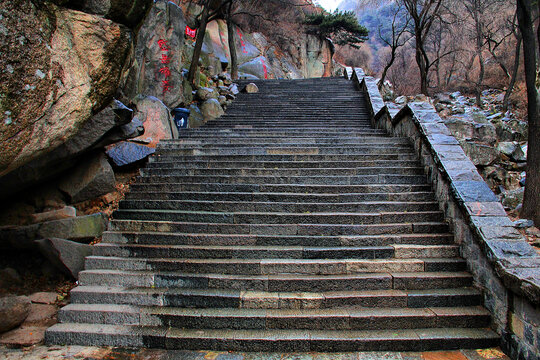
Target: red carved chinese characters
[
  {"x": 163, "y": 45},
  {"x": 242, "y": 43},
  {"x": 165, "y": 60}
]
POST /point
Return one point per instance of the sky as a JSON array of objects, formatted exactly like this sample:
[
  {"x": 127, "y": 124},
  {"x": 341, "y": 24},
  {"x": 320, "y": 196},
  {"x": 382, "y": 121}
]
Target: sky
[{"x": 329, "y": 5}]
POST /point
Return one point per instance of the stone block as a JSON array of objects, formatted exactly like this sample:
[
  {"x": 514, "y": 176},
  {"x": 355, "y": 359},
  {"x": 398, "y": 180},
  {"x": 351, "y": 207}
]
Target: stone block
[
  {"x": 89, "y": 180},
  {"x": 63, "y": 213},
  {"x": 67, "y": 256}
]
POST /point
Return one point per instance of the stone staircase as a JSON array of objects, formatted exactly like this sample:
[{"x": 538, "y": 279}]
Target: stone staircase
[{"x": 289, "y": 224}]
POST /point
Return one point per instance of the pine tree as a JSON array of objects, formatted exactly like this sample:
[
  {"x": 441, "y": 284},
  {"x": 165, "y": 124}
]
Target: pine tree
[{"x": 340, "y": 26}]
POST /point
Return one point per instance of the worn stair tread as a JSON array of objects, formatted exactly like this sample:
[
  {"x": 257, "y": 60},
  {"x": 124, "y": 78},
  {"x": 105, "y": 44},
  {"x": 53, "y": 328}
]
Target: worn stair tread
[
  {"x": 350, "y": 318},
  {"x": 271, "y": 340},
  {"x": 220, "y": 298}
]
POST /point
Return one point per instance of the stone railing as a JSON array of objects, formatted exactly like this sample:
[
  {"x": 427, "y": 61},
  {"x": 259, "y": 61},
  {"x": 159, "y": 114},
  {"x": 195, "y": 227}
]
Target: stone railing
[{"x": 505, "y": 267}]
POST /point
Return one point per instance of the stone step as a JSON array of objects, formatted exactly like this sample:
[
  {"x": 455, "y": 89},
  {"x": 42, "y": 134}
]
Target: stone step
[
  {"x": 278, "y": 282},
  {"x": 277, "y": 207},
  {"x": 388, "y": 178},
  {"x": 368, "y": 171},
  {"x": 219, "y": 298},
  {"x": 352, "y": 318},
  {"x": 280, "y": 188},
  {"x": 277, "y": 266},
  {"x": 367, "y": 149},
  {"x": 267, "y": 141},
  {"x": 297, "y": 198},
  {"x": 405, "y": 155},
  {"x": 398, "y": 251},
  {"x": 329, "y": 133},
  {"x": 278, "y": 229},
  {"x": 194, "y": 239},
  {"x": 271, "y": 340},
  {"x": 201, "y": 164},
  {"x": 247, "y": 217}
]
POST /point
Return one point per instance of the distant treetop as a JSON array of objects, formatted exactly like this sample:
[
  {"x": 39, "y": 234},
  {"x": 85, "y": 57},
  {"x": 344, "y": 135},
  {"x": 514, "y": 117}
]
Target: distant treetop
[{"x": 341, "y": 26}]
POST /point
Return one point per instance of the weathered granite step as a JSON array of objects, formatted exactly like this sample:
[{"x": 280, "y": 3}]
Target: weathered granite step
[
  {"x": 352, "y": 318},
  {"x": 276, "y": 132},
  {"x": 264, "y": 141},
  {"x": 276, "y": 266},
  {"x": 276, "y": 252},
  {"x": 421, "y": 227},
  {"x": 405, "y": 155},
  {"x": 370, "y": 149},
  {"x": 272, "y": 340},
  {"x": 388, "y": 178},
  {"x": 164, "y": 186},
  {"x": 219, "y": 298},
  {"x": 194, "y": 239},
  {"x": 201, "y": 164},
  {"x": 278, "y": 282},
  {"x": 298, "y": 198},
  {"x": 217, "y": 205},
  {"x": 158, "y": 171},
  {"x": 247, "y": 217}
]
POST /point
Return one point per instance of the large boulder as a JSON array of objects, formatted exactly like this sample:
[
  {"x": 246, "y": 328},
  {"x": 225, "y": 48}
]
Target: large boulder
[
  {"x": 211, "y": 109},
  {"x": 67, "y": 256},
  {"x": 13, "y": 311},
  {"x": 127, "y": 12},
  {"x": 160, "y": 38},
  {"x": 72, "y": 67},
  {"x": 480, "y": 154},
  {"x": 156, "y": 119},
  {"x": 90, "y": 180},
  {"x": 110, "y": 125},
  {"x": 196, "y": 118}
]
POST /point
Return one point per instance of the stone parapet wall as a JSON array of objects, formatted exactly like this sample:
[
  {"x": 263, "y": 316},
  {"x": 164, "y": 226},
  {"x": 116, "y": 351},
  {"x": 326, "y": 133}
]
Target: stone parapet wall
[{"x": 504, "y": 265}]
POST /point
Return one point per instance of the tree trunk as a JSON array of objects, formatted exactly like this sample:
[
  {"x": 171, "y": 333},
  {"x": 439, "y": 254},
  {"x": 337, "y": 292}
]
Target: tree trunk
[
  {"x": 232, "y": 44},
  {"x": 198, "y": 43},
  {"x": 531, "y": 205},
  {"x": 422, "y": 66},
  {"x": 387, "y": 67},
  {"x": 479, "y": 42},
  {"x": 515, "y": 71}
]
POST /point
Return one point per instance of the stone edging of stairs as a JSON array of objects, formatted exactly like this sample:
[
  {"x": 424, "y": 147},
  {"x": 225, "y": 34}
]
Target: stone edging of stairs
[{"x": 503, "y": 263}]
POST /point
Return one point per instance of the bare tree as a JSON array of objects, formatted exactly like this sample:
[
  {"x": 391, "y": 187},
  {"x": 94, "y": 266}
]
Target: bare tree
[
  {"x": 531, "y": 205},
  {"x": 397, "y": 40},
  {"x": 423, "y": 14}
]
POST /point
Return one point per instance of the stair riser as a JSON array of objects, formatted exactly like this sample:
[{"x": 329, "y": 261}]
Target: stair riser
[
  {"x": 245, "y": 300},
  {"x": 258, "y": 267},
  {"x": 280, "y": 188},
  {"x": 300, "y": 150},
  {"x": 277, "y": 165},
  {"x": 239, "y": 252},
  {"x": 282, "y": 172},
  {"x": 282, "y": 229},
  {"x": 277, "y": 207},
  {"x": 263, "y": 283},
  {"x": 275, "y": 218},
  {"x": 421, "y": 197},
  {"x": 265, "y": 321},
  {"x": 341, "y": 159},
  {"x": 259, "y": 141},
  {"x": 284, "y": 180},
  {"x": 303, "y": 342},
  {"x": 253, "y": 240}
]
